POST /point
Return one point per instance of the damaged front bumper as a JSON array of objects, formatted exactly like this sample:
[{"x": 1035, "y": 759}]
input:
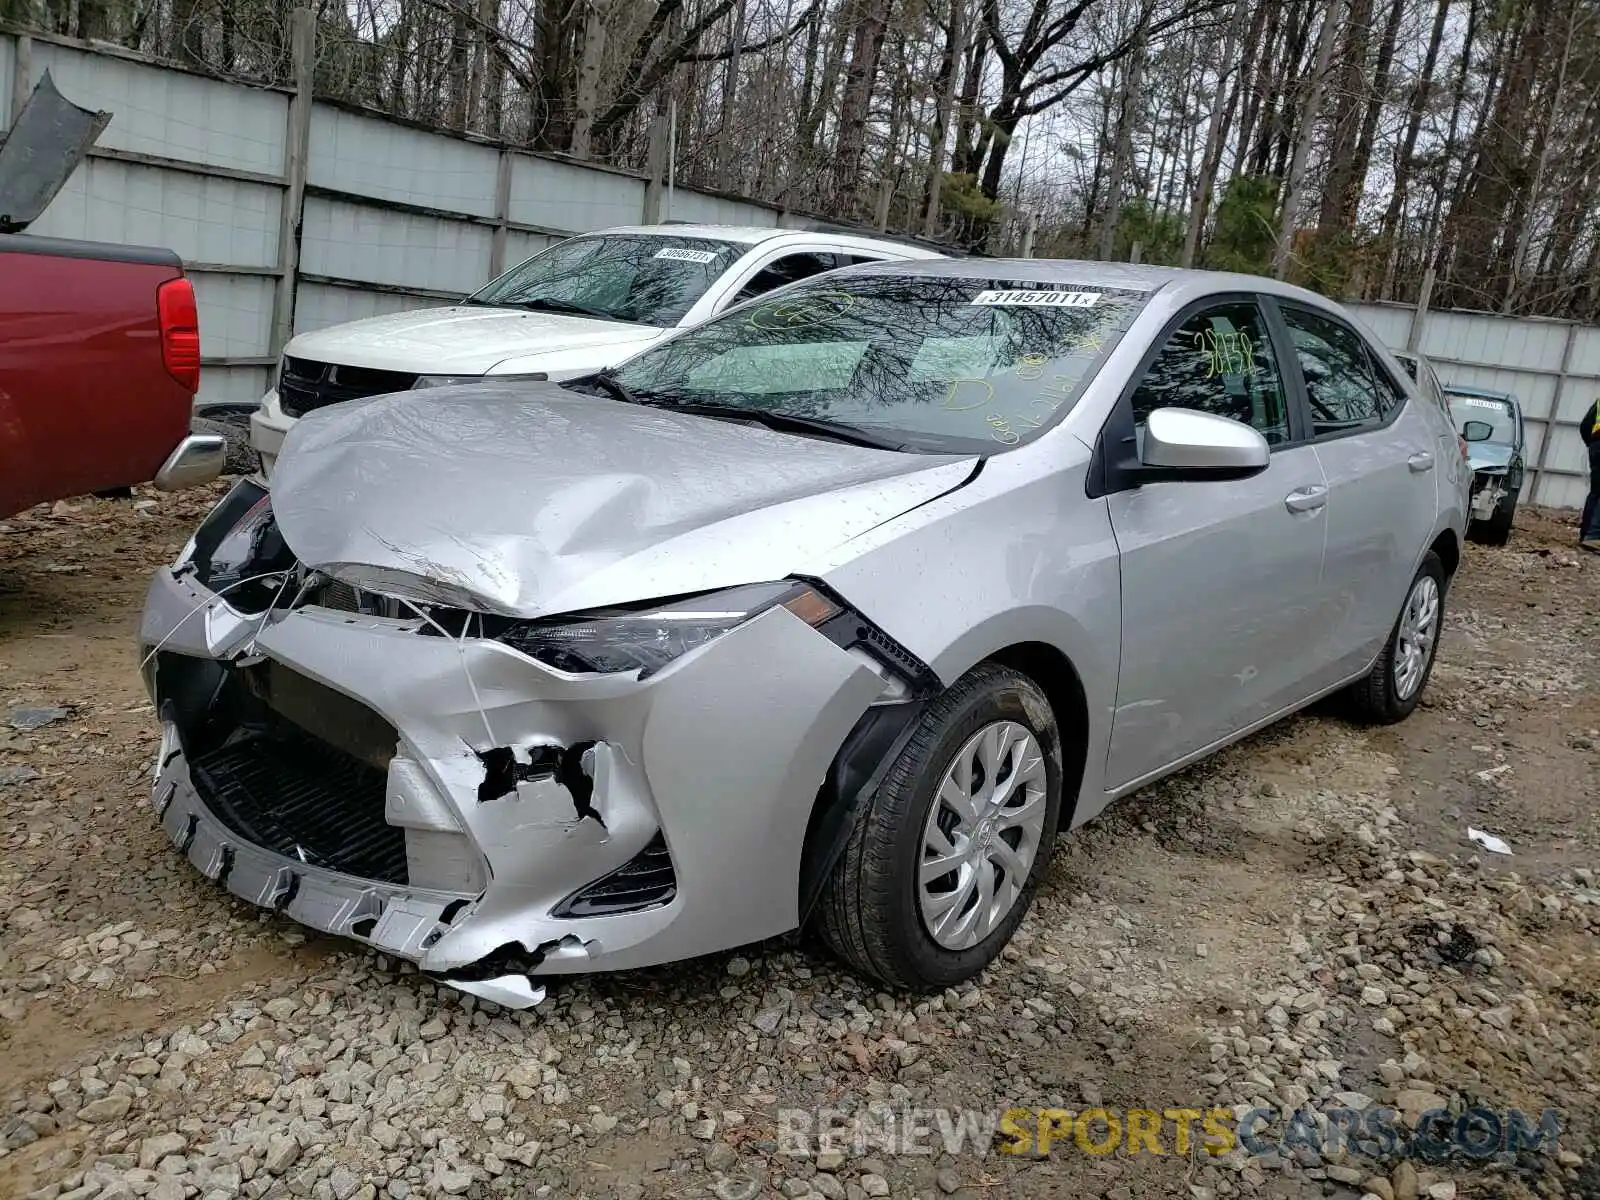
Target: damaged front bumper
[
  {"x": 456, "y": 804},
  {"x": 1489, "y": 492}
]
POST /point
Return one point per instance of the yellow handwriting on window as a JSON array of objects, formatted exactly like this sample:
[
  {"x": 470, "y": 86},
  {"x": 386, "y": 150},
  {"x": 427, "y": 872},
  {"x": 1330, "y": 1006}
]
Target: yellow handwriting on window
[
  {"x": 1229, "y": 352},
  {"x": 954, "y": 401}
]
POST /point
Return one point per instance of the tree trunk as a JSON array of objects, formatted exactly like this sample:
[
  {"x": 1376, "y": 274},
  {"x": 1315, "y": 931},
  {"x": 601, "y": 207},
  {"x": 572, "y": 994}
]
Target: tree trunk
[
  {"x": 856, "y": 104},
  {"x": 730, "y": 93},
  {"x": 586, "y": 93},
  {"x": 1337, "y": 216},
  {"x": 1525, "y": 201},
  {"x": 1308, "y": 131},
  {"x": 1404, "y": 160},
  {"x": 1123, "y": 155},
  {"x": 944, "y": 105},
  {"x": 1215, "y": 132}
]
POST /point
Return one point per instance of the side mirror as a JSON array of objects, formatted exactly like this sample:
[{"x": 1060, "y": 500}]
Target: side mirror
[
  {"x": 1183, "y": 443},
  {"x": 1477, "y": 431}
]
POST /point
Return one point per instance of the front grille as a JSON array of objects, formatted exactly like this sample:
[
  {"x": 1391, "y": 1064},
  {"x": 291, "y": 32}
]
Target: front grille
[
  {"x": 646, "y": 880},
  {"x": 304, "y": 385},
  {"x": 285, "y": 790}
]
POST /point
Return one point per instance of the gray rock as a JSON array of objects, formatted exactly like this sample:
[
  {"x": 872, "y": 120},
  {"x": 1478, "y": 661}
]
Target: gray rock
[
  {"x": 721, "y": 1157},
  {"x": 153, "y": 1149},
  {"x": 22, "y": 773},
  {"x": 111, "y": 1107},
  {"x": 949, "y": 1182},
  {"x": 738, "y": 966},
  {"x": 283, "y": 1151},
  {"x": 875, "y": 1185},
  {"x": 37, "y": 718},
  {"x": 344, "y": 1182}
]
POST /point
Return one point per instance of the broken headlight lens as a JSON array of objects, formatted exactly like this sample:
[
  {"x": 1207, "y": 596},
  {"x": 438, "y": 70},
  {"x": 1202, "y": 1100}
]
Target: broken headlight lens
[{"x": 645, "y": 639}]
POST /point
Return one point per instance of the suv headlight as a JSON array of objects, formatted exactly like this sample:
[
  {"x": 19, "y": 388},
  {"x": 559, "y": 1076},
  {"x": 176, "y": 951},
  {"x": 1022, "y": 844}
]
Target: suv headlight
[
  {"x": 434, "y": 381},
  {"x": 648, "y": 637}
]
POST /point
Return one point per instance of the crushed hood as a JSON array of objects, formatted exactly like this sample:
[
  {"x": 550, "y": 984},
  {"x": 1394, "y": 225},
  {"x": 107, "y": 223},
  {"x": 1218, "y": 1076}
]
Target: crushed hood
[
  {"x": 467, "y": 339},
  {"x": 1487, "y": 456},
  {"x": 47, "y": 142},
  {"x": 533, "y": 500}
]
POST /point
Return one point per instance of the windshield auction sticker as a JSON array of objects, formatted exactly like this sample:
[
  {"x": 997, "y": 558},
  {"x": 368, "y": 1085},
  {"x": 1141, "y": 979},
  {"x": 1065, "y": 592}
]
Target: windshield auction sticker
[
  {"x": 679, "y": 254},
  {"x": 1046, "y": 299}
]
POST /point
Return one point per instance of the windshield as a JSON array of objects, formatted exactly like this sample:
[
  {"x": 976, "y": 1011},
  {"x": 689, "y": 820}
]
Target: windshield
[
  {"x": 647, "y": 279},
  {"x": 1481, "y": 408},
  {"x": 927, "y": 363}
]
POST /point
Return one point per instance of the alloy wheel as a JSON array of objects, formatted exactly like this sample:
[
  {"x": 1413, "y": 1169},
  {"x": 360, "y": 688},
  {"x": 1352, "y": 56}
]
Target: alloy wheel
[
  {"x": 982, "y": 835},
  {"x": 1419, "y": 630}
]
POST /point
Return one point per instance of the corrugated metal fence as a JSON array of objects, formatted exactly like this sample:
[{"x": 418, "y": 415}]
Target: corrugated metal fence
[
  {"x": 296, "y": 215},
  {"x": 1552, "y": 367}
]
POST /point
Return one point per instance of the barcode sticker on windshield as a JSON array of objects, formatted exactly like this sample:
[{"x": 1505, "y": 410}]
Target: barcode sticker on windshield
[
  {"x": 1048, "y": 299},
  {"x": 677, "y": 254}
]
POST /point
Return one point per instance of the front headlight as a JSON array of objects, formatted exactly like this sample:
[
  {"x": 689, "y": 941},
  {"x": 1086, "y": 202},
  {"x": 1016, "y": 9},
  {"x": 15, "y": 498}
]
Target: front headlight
[
  {"x": 435, "y": 381},
  {"x": 645, "y": 639}
]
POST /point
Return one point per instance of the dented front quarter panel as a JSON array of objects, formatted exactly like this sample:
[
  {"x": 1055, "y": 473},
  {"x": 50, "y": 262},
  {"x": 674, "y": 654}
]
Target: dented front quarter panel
[{"x": 724, "y": 759}]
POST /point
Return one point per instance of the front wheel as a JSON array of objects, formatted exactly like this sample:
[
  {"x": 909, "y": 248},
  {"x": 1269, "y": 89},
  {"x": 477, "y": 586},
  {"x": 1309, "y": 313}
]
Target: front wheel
[
  {"x": 945, "y": 857},
  {"x": 1392, "y": 689}
]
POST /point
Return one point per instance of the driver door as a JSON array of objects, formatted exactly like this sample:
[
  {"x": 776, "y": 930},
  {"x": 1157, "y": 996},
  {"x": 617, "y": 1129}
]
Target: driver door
[{"x": 1221, "y": 580}]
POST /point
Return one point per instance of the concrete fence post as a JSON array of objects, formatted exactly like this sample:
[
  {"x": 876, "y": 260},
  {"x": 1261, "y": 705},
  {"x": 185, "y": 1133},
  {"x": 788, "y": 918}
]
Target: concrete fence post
[
  {"x": 1419, "y": 314},
  {"x": 656, "y": 170},
  {"x": 296, "y": 148},
  {"x": 21, "y": 76},
  {"x": 502, "y": 213},
  {"x": 1551, "y": 426}
]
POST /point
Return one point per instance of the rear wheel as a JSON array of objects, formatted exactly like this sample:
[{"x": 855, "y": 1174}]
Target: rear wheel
[
  {"x": 1395, "y": 684},
  {"x": 945, "y": 857}
]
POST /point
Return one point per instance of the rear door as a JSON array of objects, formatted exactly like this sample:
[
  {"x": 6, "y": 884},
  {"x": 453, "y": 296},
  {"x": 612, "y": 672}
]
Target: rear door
[
  {"x": 1381, "y": 456},
  {"x": 1220, "y": 580}
]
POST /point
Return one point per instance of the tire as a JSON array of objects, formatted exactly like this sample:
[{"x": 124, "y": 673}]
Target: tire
[
  {"x": 1377, "y": 699},
  {"x": 872, "y": 909},
  {"x": 1496, "y": 531}
]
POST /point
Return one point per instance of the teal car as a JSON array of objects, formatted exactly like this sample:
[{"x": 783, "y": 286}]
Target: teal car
[{"x": 1491, "y": 423}]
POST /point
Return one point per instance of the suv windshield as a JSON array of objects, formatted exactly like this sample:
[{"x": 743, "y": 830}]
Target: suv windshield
[
  {"x": 642, "y": 278},
  {"x": 1483, "y": 408},
  {"x": 923, "y": 362}
]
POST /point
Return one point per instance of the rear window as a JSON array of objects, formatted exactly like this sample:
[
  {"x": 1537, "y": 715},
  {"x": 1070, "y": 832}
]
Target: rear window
[
  {"x": 1497, "y": 413},
  {"x": 938, "y": 364}
]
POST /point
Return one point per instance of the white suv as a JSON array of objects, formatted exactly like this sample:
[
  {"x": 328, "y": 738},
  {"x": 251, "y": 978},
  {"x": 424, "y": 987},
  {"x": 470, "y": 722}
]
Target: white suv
[{"x": 583, "y": 305}]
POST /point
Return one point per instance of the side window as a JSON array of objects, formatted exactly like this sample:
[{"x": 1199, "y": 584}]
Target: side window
[
  {"x": 1390, "y": 394},
  {"x": 789, "y": 269},
  {"x": 1341, "y": 386},
  {"x": 1219, "y": 361},
  {"x": 855, "y": 260}
]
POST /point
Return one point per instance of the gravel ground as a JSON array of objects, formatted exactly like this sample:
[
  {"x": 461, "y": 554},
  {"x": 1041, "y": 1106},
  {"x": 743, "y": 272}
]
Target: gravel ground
[{"x": 1299, "y": 923}]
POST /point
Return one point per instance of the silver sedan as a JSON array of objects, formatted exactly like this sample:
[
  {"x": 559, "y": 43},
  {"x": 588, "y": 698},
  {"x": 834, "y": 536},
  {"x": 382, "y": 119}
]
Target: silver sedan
[{"x": 834, "y": 611}]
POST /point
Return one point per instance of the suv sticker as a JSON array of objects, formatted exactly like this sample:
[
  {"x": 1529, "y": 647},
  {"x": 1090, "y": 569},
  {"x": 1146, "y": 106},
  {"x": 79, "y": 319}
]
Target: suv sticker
[
  {"x": 679, "y": 254},
  {"x": 1475, "y": 402},
  {"x": 1040, "y": 297}
]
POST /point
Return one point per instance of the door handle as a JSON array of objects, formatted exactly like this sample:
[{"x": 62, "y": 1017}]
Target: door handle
[
  {"x": 1420, "y": 461},
  {"x": 1306, "y": 499}
]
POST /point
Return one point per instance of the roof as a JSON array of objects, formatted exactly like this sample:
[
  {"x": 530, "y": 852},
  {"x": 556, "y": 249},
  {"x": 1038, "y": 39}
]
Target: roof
[
  {"x": 752, "y": 235},
  {"x": 749, "y": 234},
  {"x": 1462, "y": 389}
]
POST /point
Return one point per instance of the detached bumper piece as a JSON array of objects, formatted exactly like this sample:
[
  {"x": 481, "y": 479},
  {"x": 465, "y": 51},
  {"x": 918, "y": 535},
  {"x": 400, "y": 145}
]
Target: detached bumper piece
[{"x": 198, "y": 459}]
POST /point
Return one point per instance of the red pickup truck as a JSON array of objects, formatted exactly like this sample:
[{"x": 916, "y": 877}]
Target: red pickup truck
[{"x": 99, "y": 345}]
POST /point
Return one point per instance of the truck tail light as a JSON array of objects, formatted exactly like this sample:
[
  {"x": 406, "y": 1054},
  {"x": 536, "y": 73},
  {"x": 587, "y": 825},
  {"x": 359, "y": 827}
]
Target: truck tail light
[{"x": 180, "y": 332}]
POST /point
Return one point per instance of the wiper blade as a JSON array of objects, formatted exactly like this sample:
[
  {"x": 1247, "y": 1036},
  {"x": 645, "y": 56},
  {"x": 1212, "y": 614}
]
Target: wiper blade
[
  {"x": 612, "y": 386},
  {"x": 547, "y": 304},
  {"x": 789, "y": 423}
]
